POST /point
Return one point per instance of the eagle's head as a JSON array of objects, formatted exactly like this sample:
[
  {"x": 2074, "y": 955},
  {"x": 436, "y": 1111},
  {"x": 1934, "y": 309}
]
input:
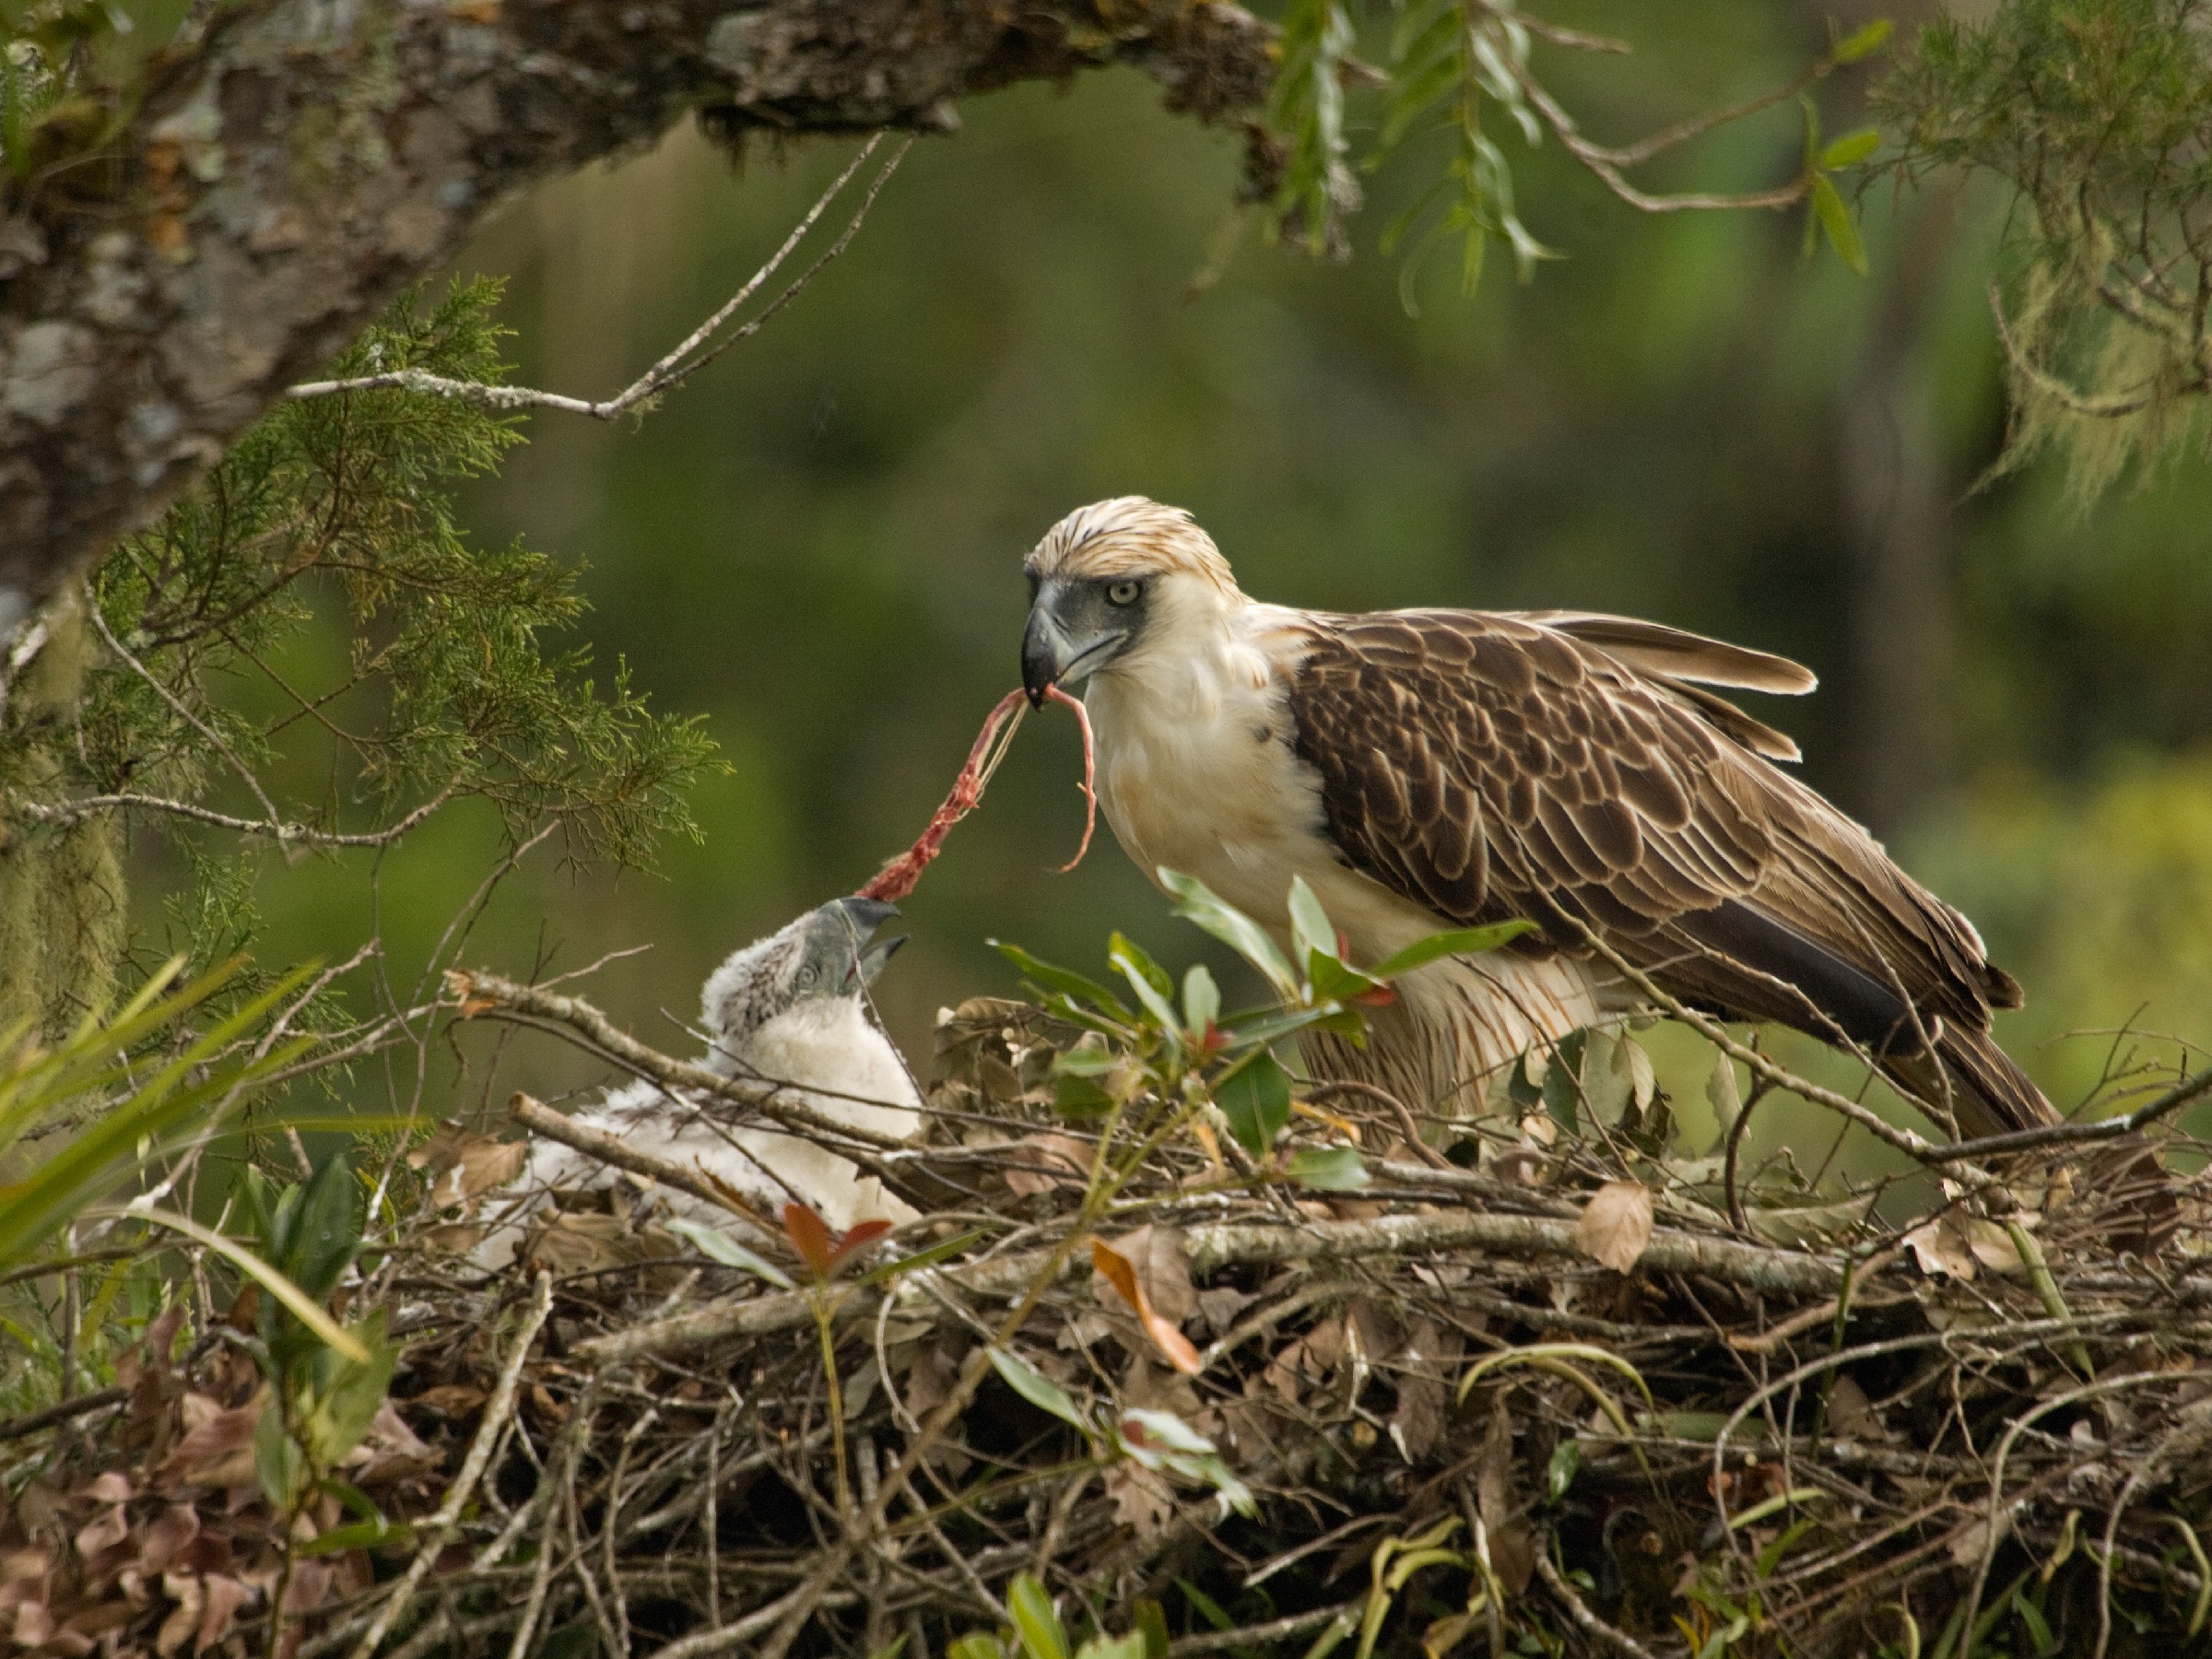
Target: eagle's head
[
  {"x": 825, "y": 953},
  {"x": 1110, "y": 578}
]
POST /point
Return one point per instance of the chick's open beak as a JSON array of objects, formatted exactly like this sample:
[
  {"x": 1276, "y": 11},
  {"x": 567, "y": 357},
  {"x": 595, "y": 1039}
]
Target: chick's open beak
[{"x": 869, "y": 963}]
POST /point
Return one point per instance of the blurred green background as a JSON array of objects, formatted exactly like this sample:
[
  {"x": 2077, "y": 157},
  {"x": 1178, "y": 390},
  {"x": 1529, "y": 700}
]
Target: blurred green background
[{"x": 816, "y": 543}]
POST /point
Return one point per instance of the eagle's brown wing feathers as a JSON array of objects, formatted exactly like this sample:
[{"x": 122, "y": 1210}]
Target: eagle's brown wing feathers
[{"x": 1566, "y": 768}]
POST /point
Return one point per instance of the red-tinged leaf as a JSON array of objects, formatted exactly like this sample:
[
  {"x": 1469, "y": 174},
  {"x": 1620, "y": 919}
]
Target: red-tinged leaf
[
  {"x": 1212, "y": 1041},
  {"x": 861, "y": 1235},
  {"x": 1120, "y": 1273},
  {"x": 809, "y": 1235},
  {"x": 1381, "y": 996}
]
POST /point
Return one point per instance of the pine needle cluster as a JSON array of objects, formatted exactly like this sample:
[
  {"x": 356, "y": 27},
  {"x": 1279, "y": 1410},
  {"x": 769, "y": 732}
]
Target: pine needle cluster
[{"x": 307, "y": 651}]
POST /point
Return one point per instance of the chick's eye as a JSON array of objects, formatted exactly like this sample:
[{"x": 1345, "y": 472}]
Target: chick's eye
[
  {"x": 1124, "y": 593},
  {"x": 808, "y": 974}
]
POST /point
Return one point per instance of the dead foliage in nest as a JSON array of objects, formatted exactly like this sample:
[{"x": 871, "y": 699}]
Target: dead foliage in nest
[{"x": 1177, "y": 1367}]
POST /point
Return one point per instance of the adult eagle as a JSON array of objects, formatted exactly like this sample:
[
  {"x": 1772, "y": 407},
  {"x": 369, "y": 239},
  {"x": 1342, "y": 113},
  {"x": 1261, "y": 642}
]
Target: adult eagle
[{"x": 1431, "y": 769}]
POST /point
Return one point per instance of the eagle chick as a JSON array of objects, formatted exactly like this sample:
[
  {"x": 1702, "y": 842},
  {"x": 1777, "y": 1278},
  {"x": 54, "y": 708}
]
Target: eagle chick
[{"x": 786, "y": 1010}]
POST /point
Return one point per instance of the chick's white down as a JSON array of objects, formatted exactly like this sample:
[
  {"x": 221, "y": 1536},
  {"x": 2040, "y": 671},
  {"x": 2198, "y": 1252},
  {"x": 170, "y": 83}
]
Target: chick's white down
[{"x": 789, "y": 1009}]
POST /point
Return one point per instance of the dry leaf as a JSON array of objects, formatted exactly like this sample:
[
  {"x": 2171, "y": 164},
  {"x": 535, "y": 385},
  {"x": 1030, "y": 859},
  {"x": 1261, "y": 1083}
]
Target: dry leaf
[
  {"x": 1850, "y": 1413},
  {"x": 1045, "y": 1164},
  {"x": 1120, "y": 1272},
  {"x": 217, "y": 1448},
  {"x": 466, "y": 1163},
  {"x": 1939, "y": 1247},
  {"x": 449, "y": 1399},
  {"x": 1615, "y": 1224},
  {"x": 1141, "y": 1501}
]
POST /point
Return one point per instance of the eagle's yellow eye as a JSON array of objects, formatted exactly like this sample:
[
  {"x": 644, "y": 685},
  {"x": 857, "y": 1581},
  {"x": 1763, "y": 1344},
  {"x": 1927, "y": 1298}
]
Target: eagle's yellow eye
[{"x": 1124, "y": 593}]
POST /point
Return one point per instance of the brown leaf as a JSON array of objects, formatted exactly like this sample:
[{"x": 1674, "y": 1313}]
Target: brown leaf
[
  {"x": 217, "y": 1448},
  {"x": 1141, "y": 1501},
  {"x": 150, "y": 1354},
  {"x": 1045, "y": 1164},
  {"x": 466, "y": 1164},
  {"x": 1427, "y": 1356},
  {"x": 1850, "y": 1414},
  {"x": 928, "y": 1382},
  {"x": 449, "y": 1399},
  {"x": 1938, "y": 1247},
  {"x": 224, "y": 1596},
  {"x": 183, "y": 1619},
  {"x": 1120, "y": 1272},
  {"x": 166, "y": 1537},
  {"x": 1616, "y": 1225},
  {"x": 1513, "y": 1553}
]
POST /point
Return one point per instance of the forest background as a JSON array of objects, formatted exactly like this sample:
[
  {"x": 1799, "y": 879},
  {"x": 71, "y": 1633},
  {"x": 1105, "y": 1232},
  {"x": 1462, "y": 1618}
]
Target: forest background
[{"x": 815, "y": 544}]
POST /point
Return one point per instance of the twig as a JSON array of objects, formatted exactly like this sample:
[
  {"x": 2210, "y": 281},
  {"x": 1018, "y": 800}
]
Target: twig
[
  {"x": 1824, "y": 1313},
  {"x": 541, "y": 1119},
  {"x": 1260, "y": 1635},
  {"x": 1619, "y": 1640},
  {"x": 2182, "y": 1094},
  {"x": 481, "y": 993},
  {"x": 438, "y": 1531},
  {"x": 99, "y": 622},
  {"x": 692, "y": 355},
  {"x": 62, "y": 1412},
  {"x": 283, "y": 830},
  {"x": 1777, "y": 1272},
  {"x": 26, "y": 645},
  {"x": 1913, "y": 1145},
  {"x": 1415, "y": 1144},
  {"x": 1607, "y": 163}
]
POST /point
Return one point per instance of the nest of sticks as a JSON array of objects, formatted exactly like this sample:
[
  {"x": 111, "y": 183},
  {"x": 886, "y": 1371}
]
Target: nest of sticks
[{"x": 1503, "y": 1398}]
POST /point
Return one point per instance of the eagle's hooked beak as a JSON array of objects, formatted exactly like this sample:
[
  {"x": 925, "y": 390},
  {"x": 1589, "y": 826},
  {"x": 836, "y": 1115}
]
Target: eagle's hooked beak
[
  {"x": 1051, "y": 652},
  {"x": 1045, "y": 652}
]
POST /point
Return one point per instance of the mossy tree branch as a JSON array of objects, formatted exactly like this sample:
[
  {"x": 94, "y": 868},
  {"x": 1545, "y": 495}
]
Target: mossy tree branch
[{"x": 280, "y": 179}]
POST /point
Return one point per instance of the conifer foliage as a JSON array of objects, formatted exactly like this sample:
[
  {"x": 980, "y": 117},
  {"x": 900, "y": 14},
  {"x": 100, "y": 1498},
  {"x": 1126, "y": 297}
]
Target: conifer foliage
[{"x": 197, "y": 693}]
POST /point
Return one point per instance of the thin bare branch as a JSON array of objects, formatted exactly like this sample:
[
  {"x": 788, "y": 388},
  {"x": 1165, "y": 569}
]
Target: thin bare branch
[{"x": 693, "y": 353}]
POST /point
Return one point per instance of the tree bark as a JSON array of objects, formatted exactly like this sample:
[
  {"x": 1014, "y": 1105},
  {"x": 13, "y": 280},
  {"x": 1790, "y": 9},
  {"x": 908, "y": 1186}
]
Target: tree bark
[{"x": 281, "y": 180}]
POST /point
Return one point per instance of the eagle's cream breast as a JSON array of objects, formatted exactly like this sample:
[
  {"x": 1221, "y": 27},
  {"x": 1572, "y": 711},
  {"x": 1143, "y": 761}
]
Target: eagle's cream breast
[{"x": 1198, "y": 772}]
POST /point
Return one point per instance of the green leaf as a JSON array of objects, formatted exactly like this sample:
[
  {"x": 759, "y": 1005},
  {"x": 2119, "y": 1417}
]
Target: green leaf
[
  {"x": 1081, "y": 1097},
  {"x": 325, "y": 1234},
  {"x": 1154, "y": 989},
  {"x": 718, "y": 1246},
  {"x": 944, "y": 1250},
  {"x": 1836, "y": 220},
  {"x": 1560, "y": 1473},
  {"x": 1034, "y": 1619},
  {"x": 358, "y": 1534},
  {"x": 1312, "y": 932},
  {"x": 1333, "y": 981},
  {"x": 1256, "y": 1099},
  {"x": 347, "y": 1393},
  {"x": 1131, "y": 1646},
  {"x": 1861, "y": 43},
  {"x": 1460, "y": 941},
  {"x": 1064, "y": 979},
  {"x": 975, "y": 1645},
  {"x": 1208, "y": 1608},
  {"x": 276, "y": 1461},
  {"x": 1201, "y": 999},
  {"x": 1562, "y": 1082},
  {"x": 1329, "y": 1169},
  {"x": 1852, "y": 148},
  {"x": 1151, "y": 1620},
  {"x": 1035, "y": 1387},
  {"x": 1197, "y": 903}
]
